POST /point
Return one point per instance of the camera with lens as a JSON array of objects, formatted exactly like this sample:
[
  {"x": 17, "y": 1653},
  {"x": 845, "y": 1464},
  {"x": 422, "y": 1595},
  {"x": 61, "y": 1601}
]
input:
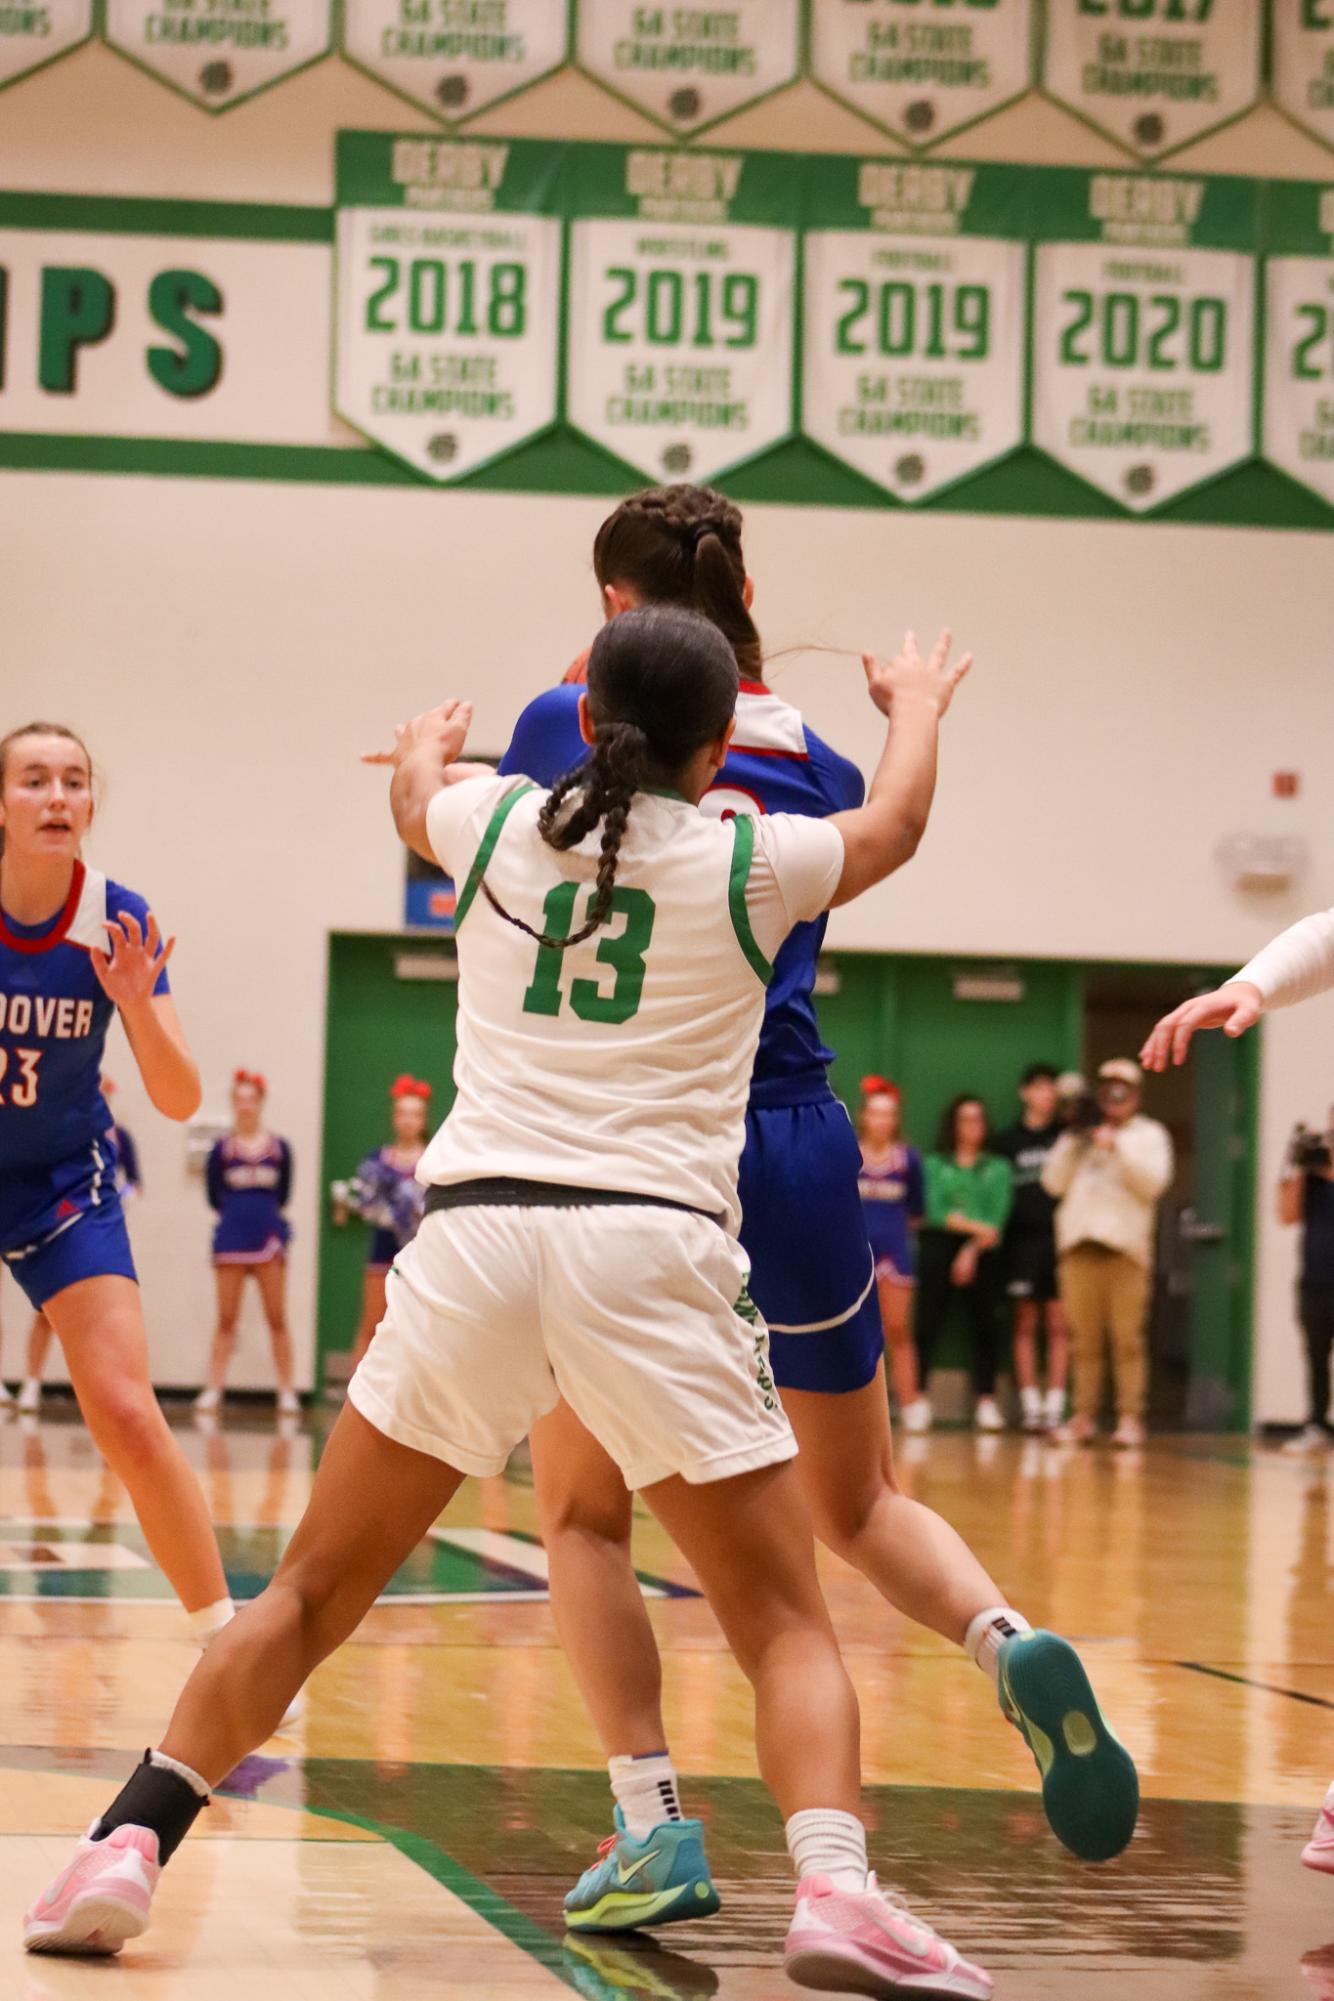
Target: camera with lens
[
  {"x": 1309, "y": 1152},
  {"x": 1080, "y": 1111}
]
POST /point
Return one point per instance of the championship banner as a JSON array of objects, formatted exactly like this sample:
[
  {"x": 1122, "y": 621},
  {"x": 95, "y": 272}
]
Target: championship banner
[
  {"x": 1144, "y": 329},
  {"x": 32, "y": 36},
  {"x": 1154, "y": 74},
  {"x": 456, "y": 57},
  {"x": 134, "y": 332},
  {"x": 1298, "y": 419},
  {"x": 447, "y": 295},
  {"x": 219, "y": 52},
  {"x": 687, "y": 67},
  {"x": 682, "y": 268},
  {"x": 1301, "y": 63},
  {"x": 915, "y": 312},
  {"x": 922, "y": 76}
]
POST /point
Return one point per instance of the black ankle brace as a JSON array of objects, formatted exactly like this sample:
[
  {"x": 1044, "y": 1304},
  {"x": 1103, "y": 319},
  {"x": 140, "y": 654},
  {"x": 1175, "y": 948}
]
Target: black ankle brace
[{"x": 157, "y": 1798}]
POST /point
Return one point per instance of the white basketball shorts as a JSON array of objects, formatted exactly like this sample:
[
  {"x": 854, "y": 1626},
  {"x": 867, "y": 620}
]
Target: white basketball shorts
[{"x": 638, "y": 1316}]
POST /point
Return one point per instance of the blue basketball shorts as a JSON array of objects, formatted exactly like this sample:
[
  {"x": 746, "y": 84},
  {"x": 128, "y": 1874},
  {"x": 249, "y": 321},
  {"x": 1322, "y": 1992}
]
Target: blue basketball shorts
[
  {"x": 803, "y": 1228},
  {"x": 76, "y": 1230}
]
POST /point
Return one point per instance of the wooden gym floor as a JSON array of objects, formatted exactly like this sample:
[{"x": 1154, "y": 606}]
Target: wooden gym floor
[{"x": 414, "y": 1834}]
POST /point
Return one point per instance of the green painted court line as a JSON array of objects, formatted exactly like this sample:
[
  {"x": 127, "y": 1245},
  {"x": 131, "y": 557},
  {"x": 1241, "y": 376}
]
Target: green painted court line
[{"x": 498, "y": 1912}]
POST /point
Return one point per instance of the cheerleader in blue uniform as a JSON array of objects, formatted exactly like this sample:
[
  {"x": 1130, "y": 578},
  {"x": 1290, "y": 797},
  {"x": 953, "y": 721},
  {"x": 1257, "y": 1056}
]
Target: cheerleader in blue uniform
[
  {"x": 890, "y": 1185},
  {"x": 385, "y": 1193},
  {"x": 249, "y": 1186},
  {"x": 75, "y": 949}
]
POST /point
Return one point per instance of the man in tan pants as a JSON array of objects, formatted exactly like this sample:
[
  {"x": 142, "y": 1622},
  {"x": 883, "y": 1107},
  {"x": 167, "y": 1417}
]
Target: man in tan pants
[{"x": 1108, "y": 1183}]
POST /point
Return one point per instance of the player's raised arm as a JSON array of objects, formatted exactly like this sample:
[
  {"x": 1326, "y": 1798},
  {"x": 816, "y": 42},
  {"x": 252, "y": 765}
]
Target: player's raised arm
[
  {"x": 1295, "y": 966},
  {"x": 914, "y": 694},
  {"x": 424, "y": 758}
]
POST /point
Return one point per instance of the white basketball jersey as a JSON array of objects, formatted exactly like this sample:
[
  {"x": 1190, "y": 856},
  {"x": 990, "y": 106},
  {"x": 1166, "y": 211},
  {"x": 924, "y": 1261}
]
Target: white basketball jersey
[{"x": 623, "y": 1062}]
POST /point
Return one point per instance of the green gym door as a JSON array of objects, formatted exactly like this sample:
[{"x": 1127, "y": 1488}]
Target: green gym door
[{"x": 390, "y": 1008}]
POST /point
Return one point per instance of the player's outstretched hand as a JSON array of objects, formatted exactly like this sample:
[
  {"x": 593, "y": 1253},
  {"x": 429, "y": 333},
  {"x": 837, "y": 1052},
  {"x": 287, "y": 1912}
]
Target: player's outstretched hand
[
  {"x": 908, "y": 674},
  {"x": 129, "y": 971},
  {"x": 444, "y": 729},
  {"x": 1234, "y": 1008}
]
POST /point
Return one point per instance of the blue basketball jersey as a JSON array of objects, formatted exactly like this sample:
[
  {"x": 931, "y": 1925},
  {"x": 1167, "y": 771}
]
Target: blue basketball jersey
[
  {"x": 775, "y": 765},
  {"x": 54, "y": 1018}
]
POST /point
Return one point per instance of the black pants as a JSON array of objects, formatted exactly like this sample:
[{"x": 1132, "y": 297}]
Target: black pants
[
  {"x": 980, "y": 1302},
  {"x": 1315, "y": 1307}
]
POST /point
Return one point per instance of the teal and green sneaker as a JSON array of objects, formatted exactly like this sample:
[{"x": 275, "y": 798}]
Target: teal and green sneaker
[
  {"x": 1090, "y": 1788},
  {"x": 656, "y": 1881}
]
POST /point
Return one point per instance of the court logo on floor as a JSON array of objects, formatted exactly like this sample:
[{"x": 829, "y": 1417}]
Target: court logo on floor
[{"x": 81, "y": 1562}]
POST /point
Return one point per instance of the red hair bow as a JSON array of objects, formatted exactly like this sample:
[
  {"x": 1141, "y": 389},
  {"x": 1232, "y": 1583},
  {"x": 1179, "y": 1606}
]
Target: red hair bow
[
  {"x": 409, "y": 1087},
  {"x": 874, "y": 1087},
  {"x": 250, "y": 1077}
]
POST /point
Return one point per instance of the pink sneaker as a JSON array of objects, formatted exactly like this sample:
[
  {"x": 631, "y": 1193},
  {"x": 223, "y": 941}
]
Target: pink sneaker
[
  {"x": 864, "y": 1942},
  {"x": 99, "y": 1899},
  {"x": 1319, "y": 1850}
]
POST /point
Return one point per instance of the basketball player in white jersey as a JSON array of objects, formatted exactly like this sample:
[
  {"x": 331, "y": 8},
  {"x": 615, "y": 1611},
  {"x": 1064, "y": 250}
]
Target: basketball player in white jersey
[
  {"x": 1295, "y": 966},
  {"x": 612, "y": 949}
]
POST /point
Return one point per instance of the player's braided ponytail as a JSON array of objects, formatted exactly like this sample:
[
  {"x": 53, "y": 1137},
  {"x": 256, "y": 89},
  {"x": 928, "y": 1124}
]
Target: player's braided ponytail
[
  {"x": 661, "y": 684},
  {"x": 682, "y": 545}
]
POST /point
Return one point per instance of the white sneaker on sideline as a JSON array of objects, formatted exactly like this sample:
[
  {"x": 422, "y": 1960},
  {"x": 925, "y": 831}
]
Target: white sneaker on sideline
[
  {"x": 916, "y": 1416},
  {"x": 1312, "y": 1438},
  {"x": 1033, "y": 1418},
  {"x": 289, "y": 1404},
  {"x": 988, "y": 1415},
  {"x": 30, "y": 1395},
  {"x": 209, "y": 1399},
  {"x": 1053, "y": 1408}
]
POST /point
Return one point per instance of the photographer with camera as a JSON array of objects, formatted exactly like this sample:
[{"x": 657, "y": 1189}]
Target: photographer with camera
[
  {"x": 1306, "y": 1196},
  {"x": 1107, "y": 1173}
]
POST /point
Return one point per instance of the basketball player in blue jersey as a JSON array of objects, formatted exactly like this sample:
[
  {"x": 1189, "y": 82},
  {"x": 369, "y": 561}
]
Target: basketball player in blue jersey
[
  {"x": 812, "y": 1278},
  {"x": 74, "y": 950}
]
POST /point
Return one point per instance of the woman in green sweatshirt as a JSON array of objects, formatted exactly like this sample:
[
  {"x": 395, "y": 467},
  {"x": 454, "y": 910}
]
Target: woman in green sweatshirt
[{"x": 968, "y": 1197}]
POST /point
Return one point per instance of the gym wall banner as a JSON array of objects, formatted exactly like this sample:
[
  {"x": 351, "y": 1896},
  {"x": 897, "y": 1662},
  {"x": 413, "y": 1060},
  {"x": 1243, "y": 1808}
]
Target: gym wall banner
[
  {"x": 834, "y": 331},
  {"x": 452, "y": 59},
  {"x": 219, "y": 52},
  {"x": 687, "y": 67},
  {"x": 681, "y": 322},
  {"x": 922, "y": 74},
  {"x": 1154, "y": 75}
]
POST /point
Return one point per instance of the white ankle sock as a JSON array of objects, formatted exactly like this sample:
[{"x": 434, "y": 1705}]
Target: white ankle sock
[
  {"x": 986, "y": 1633},
  {"x": 209, "y": 1621},
  {"x": 645, "y": 1791},
  {"x": 824, "y": 1842},
  {"x": 186, "y": 1772}
]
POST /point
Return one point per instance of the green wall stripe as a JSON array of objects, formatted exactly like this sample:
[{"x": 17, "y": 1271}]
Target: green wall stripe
[{"x": 256, "y": 222}]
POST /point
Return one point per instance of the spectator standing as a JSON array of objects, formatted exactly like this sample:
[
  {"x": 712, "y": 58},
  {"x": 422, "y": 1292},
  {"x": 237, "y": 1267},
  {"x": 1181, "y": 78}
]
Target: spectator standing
[
  {"x": 1030, "y": 1252},
  {"x": 1306, "y": 1196},
  {"x": 967, "y": 1205},
  {"x": 890, "y": 1184},
  {"x": 1107, "y": 1182}
]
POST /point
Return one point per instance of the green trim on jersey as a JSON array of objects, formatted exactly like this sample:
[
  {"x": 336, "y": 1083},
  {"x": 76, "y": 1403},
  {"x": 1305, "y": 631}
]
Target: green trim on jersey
[
  {"x": 743, "y": 852},
  {"x": 486, "y": 849}
]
